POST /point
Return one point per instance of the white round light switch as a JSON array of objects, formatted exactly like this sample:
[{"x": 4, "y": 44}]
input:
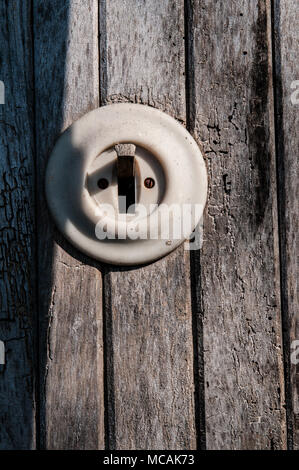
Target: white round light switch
[{"x": 126, "y": 184}]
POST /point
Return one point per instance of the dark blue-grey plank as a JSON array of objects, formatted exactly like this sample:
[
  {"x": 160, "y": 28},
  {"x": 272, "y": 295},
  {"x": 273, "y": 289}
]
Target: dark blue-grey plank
[{"x": 17, "y": 228}]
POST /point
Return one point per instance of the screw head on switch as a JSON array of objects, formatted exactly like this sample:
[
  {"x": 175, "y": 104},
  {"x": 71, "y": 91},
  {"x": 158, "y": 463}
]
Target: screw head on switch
[{"x": 149, "y": 183}]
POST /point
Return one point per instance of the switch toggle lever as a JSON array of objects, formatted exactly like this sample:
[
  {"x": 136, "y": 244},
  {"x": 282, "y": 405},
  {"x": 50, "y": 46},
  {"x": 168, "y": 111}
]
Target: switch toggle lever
[{"x": 126, "y": 177}]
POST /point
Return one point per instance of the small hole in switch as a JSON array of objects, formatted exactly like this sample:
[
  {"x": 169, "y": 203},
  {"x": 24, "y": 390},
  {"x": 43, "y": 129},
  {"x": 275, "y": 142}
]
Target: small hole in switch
[{"x": 103, "y": 183}]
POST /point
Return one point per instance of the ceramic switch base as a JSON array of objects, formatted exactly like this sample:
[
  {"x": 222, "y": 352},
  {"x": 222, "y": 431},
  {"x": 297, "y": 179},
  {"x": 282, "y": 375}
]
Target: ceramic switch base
[{"x": 88, "y": 196}]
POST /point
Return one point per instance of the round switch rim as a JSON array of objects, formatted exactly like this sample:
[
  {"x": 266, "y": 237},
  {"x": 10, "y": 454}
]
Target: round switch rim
[{"x": 76, "y": 213}]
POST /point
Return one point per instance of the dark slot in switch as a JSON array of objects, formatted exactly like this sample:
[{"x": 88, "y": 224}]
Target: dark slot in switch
[{"x": 126, "y": 178}]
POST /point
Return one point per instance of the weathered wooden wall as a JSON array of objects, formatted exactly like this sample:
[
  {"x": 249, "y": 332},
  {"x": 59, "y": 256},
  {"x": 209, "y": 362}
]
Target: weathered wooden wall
[
  {"x": 231, "y": 104},
  {"x": 66, "y": 86},
  {"x": 192, "y": 351},
  {"x": 286, "y": 40},
  {"x": 148, "y": 310}
]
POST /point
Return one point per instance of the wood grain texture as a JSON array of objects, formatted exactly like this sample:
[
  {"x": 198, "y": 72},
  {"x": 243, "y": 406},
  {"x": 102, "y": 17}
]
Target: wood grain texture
[
  {"x": 17, "y": 233},
  {"x": 70, "y": 290},
  {"x": 286, "y": 40},
  {"x": 231, "y": 112},
  {"x": 149, "y": 365}
]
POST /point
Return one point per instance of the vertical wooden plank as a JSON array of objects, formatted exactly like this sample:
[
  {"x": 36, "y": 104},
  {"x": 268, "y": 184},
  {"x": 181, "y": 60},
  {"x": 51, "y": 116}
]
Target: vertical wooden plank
[
  {"x": 231, "y": 111},
  {"x": 286, "y": 40},
  {"x": 70, "y": 291},
  {"x": 17, "y": 234},
  {"x": 148, "y": 310}
]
